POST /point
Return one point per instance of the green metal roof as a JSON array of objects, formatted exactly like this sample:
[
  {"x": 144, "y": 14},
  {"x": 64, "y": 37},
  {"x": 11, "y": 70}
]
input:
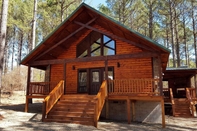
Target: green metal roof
[
  {"x": 131, "y": 30},
  {"x": 102, "y": 14}
]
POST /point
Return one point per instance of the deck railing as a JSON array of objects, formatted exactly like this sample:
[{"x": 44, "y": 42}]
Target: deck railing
[
  {"x": 133, "y": 86},
  {"x": 52, "y": 98},
  {"x": 191, "y": 96},
  {"x": 42, "y": 88},
  {"x": 100, "y": 97},
  {"x": 172, "y": 101}
]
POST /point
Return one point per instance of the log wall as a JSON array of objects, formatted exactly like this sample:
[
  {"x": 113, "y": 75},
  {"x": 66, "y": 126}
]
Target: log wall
[{"x": 129, "y": 68}]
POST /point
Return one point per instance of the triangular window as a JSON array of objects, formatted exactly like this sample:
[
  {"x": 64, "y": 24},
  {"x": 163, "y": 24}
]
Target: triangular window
[{"x": 96, "y": 45}]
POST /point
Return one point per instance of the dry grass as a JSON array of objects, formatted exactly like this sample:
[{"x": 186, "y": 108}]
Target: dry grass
[{"x": 16, "y": 79}]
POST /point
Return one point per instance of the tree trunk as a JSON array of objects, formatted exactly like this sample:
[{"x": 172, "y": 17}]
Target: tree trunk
[
  {"x": 150, "y": 24},
  {"x": 167, "y": 40},
  {"x": 185, "y": 42},
  {"x": 172, "y": 33},
  {"x": 4, "y": 14},
  {"x": 34, "y": 25},
  {"x": 194, "y": 31},
  {"x": 12, "y": 62},
  {"x": 177, "y": 37},
  {"x": 6, "y": 55},
  {"x": 20, "y": 44}
]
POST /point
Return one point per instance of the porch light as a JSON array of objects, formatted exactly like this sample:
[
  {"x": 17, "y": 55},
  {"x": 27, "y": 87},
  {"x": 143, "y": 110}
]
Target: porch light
[
  {"x": 73, "y": 67},
  {"x": 118, "y": 64}
]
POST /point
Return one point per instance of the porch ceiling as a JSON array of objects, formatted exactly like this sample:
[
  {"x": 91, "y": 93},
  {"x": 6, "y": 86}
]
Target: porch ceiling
[
  {"x": 83, "y": 20},
  {"x": 179, "y": 72}
]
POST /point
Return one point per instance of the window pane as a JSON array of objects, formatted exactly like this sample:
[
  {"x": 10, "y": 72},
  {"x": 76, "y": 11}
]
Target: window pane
[
  {"x": 84, "y": 54},
  {"x": 106, "y": 39},
  {"x": 82, "y": 78},
  {"x": 95, "y": 50},
  {"x": 82, "y": 81},
  {"x": 99, "y": 40},
  {"x": 108, "y": 51},
  {"x": 95, "y": 76},
  {"x": 94, "y": 46},
  {"x": 111, "y": 44},
  {"x": 110, "y": 74}
]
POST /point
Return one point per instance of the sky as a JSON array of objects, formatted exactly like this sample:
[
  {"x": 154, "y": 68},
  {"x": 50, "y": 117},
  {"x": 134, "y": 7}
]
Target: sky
[{"x": 95, "y": 3}]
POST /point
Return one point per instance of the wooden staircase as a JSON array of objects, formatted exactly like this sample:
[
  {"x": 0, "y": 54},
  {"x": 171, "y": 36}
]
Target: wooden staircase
[
  {"x": 80, "y": 109},
  {"x": 181, "y": 108},
  {"x": 77, "y": 109}
]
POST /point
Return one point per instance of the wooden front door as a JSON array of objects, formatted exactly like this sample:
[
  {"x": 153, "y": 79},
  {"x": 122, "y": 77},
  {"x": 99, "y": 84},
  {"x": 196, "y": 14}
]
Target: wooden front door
[
  {"x": 95, "y": 80},
  {"x": 90, "y": 80}
]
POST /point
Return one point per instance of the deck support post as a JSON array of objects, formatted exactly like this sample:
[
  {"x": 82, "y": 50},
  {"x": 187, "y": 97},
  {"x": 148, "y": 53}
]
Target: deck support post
[
  {"x": 163, "y": 113},
  {"x": 27, "y": 90},
  {"x": 129, "y": 110},
  {"x": 133, "y": 111},
  {"x": 26, "y": 104}
]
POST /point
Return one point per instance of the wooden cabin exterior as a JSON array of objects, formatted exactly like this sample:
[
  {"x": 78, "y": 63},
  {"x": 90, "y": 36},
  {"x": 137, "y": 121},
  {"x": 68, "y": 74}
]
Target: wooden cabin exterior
[
  {"x": 180, "y": 91},
  {"x": 91, "y": 57}
]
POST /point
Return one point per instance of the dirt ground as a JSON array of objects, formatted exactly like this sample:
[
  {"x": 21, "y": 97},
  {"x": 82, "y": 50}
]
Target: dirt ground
[{"x": 13, "y": 118}]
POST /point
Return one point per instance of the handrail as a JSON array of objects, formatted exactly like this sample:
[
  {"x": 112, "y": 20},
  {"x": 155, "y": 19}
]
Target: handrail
[
  {"x": 171, "y": 96},
  {"x": 52, "y": 98},
  {"x": 100, "y": 97},
  {"x": 147, "y": 86},
  {"x": 172, "y": 101},
  {"x": 40, "y": 87},
  {"x": 190, "y": 94}
]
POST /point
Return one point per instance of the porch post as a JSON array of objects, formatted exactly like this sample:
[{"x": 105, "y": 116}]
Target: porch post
[
  {"x": 64, "y": 78},
  {"x": 27, "y": 89},
  {"x": 195, "y": 84},
  {"x": 129, "y": 110},
  {"x": 160, "y": 76},
  {"x": 163, "y": 113},
  {"x": 106, "y": 101}
]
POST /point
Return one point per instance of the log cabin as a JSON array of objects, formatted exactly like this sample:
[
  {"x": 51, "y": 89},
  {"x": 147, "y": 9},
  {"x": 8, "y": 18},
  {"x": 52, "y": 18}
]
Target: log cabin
[{"x": 95, "y": 67}]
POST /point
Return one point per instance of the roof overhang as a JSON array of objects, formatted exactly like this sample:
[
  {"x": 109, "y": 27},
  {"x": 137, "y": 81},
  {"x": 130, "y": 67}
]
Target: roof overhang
[{"x": 172, "y": 73}]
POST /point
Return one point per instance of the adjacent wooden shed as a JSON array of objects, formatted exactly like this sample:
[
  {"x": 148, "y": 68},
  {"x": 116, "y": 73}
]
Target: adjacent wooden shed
[
  {"x": 180, "y": 90},
  {"x": 180, "y": 78},
  {"x": 98, "y": 59}
]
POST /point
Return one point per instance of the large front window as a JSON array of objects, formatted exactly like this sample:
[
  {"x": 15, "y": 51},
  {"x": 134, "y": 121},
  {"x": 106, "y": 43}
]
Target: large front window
[{"x": 96, "y": 45}]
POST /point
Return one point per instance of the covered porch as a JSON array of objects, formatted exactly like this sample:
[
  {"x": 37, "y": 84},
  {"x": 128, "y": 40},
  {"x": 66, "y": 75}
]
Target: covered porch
[{"x": 128, "y": 90}]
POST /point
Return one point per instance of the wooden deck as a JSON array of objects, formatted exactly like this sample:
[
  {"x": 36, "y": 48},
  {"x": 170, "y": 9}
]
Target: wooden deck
[{"x": 128, "y": 90}]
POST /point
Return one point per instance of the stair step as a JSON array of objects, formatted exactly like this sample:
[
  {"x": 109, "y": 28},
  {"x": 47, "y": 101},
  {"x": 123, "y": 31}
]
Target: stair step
[
  {"x": 78, "y": 109},
  {"x": 70, "y": 107},
  {"x": 72, "y": 116},
  {"x": 78, "y": 96},
  {"x": 63, "y": 109},
  {"x": 76, "y": 102},
  {"x": 88, "y": 123},
  {"x": 71, "y": 113}
]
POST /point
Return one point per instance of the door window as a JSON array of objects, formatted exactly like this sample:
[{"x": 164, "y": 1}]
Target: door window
[{"x": 82, "y": 81}]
